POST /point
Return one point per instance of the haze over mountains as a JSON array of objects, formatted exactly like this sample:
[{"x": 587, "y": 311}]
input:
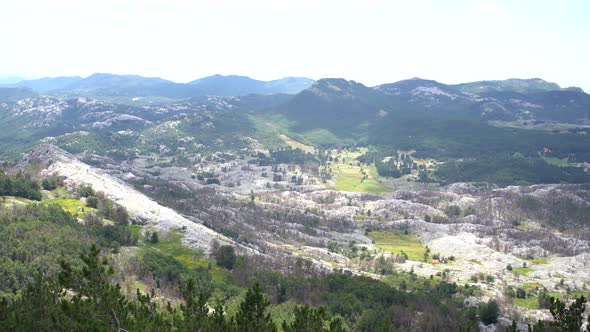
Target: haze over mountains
[
  {"x": 102, "y": 84},
  {"x": 477, "y": 120}
]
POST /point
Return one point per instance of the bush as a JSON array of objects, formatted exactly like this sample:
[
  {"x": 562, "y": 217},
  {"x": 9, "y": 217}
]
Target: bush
[
  {"x": 154, "y": 238},
  {"x": 212, "y": 181},
  {"x": 86, "y": 190},
  {"x": 489, "y": 312},
  {"x": 453, "y": 211},
  {"x": 544, "y": 300},
  {"x": 92, "y": 201},
  {"x": 115, "y": 233},
  {"x": 48, "y": 185},
  {"x": 116, "y": 247},
  {"x": 162, "y": 266},
  {"x": 226, "y": 257}
]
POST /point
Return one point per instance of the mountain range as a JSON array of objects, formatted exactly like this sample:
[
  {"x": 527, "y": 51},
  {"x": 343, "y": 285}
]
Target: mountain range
[
  {"x": 102, "y": 84},
  {"x": 484, "y": 122},
  {"x": 512, "y": 99}
]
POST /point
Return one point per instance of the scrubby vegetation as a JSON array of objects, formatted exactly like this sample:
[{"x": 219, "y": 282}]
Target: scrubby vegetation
[
  {"x": 21, "y": 186},
  {"x": 509, "y": 170}
]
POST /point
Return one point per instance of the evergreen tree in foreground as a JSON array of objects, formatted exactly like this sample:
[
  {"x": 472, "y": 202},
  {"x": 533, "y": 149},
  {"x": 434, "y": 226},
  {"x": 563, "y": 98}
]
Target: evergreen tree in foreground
[
  {"x": 86, "y": 300},
  {"x": 253, "y": 316}
]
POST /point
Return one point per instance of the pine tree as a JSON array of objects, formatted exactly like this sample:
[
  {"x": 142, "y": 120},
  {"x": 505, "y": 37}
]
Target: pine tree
[
  {"x": 154, "y": 238},
  {"x": 488, "y": 312},
  {"x": 513, "y": 327},
  {"x": 306, "y": 319},
  {"x": 568, "y": 318},
  {"x": 252, "y": 316},
  {"x": 195, "y": 310}
]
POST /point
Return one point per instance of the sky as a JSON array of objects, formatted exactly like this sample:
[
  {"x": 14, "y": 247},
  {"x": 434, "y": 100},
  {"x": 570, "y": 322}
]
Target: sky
[{"x": 369, "y": 41}]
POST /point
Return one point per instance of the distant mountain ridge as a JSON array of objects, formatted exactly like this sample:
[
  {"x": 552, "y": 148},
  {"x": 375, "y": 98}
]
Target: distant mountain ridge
[
  {"x": 46, "y": 84},
  {"x": 233, "y": 85},
  {"x": 438, "y": 121},
  {"x": 14, "y": 94},
  {"x": 104, "y": 84},
  {"x": 511, "y": 85},
  {"x": 508, "y": 100}
]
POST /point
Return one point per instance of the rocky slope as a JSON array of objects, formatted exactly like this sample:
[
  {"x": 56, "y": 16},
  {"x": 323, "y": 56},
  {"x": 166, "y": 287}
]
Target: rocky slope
[{"x": 141, "y": 208}]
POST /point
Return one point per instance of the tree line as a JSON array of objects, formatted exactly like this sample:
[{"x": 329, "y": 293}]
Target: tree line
[{"x": 20, "y": 185}]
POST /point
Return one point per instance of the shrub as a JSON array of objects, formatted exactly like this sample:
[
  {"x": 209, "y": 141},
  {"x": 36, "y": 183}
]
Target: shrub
[
  {"x": 489, "y": 312},
  {"x": 86, "y": 190},
  {"x": 92, "y": 201},
  {"x": 226, "y": 257},
  {"x": 154, "y": 238}
]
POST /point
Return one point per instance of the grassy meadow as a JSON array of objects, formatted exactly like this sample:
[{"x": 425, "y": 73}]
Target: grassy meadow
[{"x": 397, "y": 242}]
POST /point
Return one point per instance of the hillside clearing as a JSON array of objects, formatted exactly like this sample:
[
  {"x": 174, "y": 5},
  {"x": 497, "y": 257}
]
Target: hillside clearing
[
  {"x": 350, "y": 175},
  {"x": 397, "y": 242}
]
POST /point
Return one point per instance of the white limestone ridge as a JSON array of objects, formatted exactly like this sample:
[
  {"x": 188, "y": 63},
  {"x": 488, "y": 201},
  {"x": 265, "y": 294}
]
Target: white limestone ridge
[{"x": 140, "y": 207}]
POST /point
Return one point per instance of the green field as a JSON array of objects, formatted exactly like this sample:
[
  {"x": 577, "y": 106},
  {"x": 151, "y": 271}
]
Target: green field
[
  {"x": 349, "y": 177},
  {"x": 578, "y": 293},
  {"x": 135, "y": 229},
  {"x": 170, "y": 244},
  {"x": 532, "y": 301},
  {"x": 539, "y": 260},
  {"x": 319, "y": 137},
  {"x": 529, "y": 303},
  {"x": 17, "y": 200},
  {"x": 70, "y": 205},
  {"x": 396, "y": 242},
  {"x": 523, "y": 271},
  {"x": 297, "y": 145}
]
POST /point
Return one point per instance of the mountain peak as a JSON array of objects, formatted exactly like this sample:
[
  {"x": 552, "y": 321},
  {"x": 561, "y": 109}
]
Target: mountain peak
[
  {"x": 518, "y": 85},
  {"x": 337, "y": 83},
  {"x": 407, "y": 86},
  {"x": 326, "y": 87},
  {"x": 235, "y": 85}
]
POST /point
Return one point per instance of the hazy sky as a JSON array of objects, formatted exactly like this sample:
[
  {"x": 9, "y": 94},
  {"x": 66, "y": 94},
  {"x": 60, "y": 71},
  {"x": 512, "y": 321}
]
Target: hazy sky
[{"x": 370, "y": 41}]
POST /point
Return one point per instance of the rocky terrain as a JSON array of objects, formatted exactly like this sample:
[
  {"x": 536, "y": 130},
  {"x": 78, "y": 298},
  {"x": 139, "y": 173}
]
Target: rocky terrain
[
  {"x": 143, "y": 210},
  {"x": 306, "y": 220}
]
